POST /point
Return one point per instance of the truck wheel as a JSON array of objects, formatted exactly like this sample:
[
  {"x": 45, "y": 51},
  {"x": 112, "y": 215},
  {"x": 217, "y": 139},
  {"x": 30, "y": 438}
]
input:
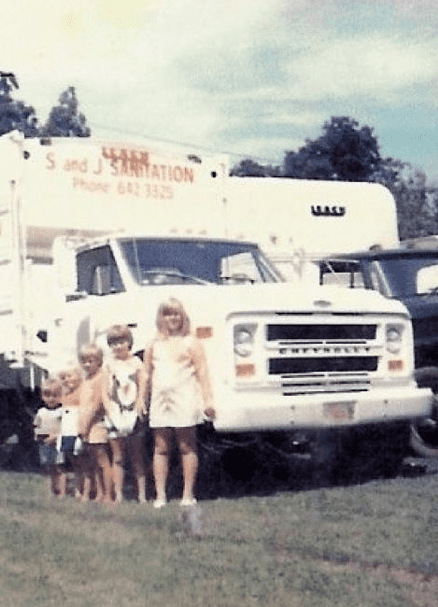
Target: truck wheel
[
  {"x": 424, "y": 433},
  {"x": 424, "y": 438}
]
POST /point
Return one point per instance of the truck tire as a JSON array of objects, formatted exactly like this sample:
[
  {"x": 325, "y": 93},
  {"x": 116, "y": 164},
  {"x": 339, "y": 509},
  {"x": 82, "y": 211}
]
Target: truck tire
[
  {"x": 424, "y": 433},
  {"x": 423, "y": 443}
]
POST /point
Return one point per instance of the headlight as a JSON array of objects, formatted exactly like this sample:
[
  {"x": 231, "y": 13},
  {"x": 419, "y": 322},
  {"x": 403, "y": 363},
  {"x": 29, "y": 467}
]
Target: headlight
[
  {"x": 394, "y": 334},
  {"x": 244, "y": 339}
]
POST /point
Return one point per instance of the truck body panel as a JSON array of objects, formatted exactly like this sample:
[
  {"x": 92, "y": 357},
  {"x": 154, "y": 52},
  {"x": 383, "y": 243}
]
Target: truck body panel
[{"x": 299, "y": 220}]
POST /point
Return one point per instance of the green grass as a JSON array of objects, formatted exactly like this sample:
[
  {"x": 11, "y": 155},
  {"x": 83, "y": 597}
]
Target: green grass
[{"x": 364, "y": 546}]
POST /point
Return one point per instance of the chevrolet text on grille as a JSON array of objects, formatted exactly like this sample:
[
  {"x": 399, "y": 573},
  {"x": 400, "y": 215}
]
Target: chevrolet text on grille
[{"x": 326, "y": 350}]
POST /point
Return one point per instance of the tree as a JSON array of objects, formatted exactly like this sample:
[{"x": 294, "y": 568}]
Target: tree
[
  {"x": 416, "y": 211},
  {"x": 15, "y": 115},
  {"x": 344, "y": 152},
  {"x": 347, "y": 152},
  {"x": 64, "y": 119},
  {"x": 250, "y": 168}
]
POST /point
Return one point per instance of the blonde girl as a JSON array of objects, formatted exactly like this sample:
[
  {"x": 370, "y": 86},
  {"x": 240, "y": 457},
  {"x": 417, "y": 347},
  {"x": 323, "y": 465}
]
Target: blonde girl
[
  {"x": 70, "y": 443},
  {"x": 92, "y": 427},
  {"x": 180, "y": 396}
]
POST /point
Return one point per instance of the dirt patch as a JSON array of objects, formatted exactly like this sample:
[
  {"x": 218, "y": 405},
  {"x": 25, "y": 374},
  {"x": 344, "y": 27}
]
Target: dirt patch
[{"x": 421, "y": 589}]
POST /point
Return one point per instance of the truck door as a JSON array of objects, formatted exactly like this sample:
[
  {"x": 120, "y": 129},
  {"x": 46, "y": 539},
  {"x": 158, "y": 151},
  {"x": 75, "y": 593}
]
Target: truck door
[{"x": 98, "y": 301}]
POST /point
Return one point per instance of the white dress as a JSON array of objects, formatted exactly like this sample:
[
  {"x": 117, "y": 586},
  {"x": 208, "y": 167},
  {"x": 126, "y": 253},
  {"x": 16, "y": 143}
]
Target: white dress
[{"x": 176, "y": 399}]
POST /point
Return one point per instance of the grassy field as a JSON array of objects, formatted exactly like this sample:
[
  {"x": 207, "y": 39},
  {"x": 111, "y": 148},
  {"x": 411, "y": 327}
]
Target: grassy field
[{"x": 369, "y": 545}]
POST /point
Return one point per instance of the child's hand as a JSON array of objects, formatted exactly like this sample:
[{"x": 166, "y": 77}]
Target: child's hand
[
  {"x": 141, "y": 410},
  {"x": 210, "y": 412},
  {"x": 49, "y": 439}
]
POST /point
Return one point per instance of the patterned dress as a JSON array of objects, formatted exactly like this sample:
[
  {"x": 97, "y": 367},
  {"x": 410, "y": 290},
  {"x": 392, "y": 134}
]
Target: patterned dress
[{"x": 121, "y": 414}]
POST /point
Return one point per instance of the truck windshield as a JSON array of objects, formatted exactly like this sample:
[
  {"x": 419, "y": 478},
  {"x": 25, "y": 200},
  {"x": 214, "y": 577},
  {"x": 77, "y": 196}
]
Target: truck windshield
[
  {"x": 191, "y": 261},
  {"x": 407, "y": 275}
]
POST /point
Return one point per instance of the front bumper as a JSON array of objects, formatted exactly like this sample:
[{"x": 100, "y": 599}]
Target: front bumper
[{"x": 260, "y": 410}]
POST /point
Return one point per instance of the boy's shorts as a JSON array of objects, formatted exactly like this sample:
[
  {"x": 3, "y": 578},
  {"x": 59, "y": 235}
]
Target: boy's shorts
[
  {"x": 50, "y": 456},
  {"x": 71, "y": 445}
]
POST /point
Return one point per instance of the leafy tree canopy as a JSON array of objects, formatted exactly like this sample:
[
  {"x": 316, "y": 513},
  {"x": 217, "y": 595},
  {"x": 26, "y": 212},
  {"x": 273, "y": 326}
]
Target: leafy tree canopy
[
  {"x": 15, "y": 115},
  {"x": 249, "y": 168},
  {"x": 345, "y": 152},
  {"x": 64, "y": 119}
]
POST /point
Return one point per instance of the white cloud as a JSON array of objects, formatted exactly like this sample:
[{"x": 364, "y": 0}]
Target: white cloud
[
  {"x": 203, "y": 70},
  {"x": 364, "y": 65},
  {"x": 299, "y": 118}
]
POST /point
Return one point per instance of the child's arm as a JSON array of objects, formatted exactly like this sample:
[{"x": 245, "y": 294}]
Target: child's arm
[
  {"x": 51, "y": 438},
  {"x": 140, "y": 403},
  {"x": 88, "y": 410},
  {"x": 37, "y": 422},
  {"x": 146, "y": 377},
  {"x": 105, "y": 389},
  {"x": 200, "y": 363}
]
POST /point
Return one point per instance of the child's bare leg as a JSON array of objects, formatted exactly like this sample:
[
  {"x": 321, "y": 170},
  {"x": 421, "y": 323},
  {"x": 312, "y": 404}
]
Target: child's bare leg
[
  {"x": 51, "y": 484},
  {"x": 97, "y": 472},
  {"x": 162, "y": 438},
  {"x": 189, "y": 458},
  {"x": 118, "y": 450},
  {"x": 137, "y": 455},
  {"x": 104, "y": 473},
  {"x": 82, "y": 479},
  {"x": 53, "y": 479},
  {"x": 62, "y": 482},
  {"x": 86, "y": 486}
]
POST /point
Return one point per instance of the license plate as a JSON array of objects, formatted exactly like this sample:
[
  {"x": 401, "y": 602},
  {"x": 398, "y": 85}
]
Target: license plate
[{"x": 339, "y": 412}]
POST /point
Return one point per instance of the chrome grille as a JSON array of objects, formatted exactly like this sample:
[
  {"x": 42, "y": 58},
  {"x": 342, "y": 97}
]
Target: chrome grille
[
  {"x": 281, "y": 366},
  {"x": 331, "y": 333},
  {"x": 323, "y": 384},
  {"x": 321, "y": 358}
]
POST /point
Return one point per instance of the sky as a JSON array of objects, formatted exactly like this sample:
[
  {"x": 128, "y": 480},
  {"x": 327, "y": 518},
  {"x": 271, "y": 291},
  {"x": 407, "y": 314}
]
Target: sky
[{"x": 249, "y": 78}]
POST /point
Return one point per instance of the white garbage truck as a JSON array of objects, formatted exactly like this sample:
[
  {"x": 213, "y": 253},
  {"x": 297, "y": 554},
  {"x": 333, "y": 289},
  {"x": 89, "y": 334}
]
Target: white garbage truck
[{"x": 99, "y": 233}]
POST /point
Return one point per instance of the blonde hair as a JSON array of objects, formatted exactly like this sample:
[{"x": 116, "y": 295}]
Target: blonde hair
[
  {"x": 70, "y": 370},
  {"x": 51, "y": 387},
  {"x": 119, "y": 332},
  {"x": 172, "y": 304},
  {"x": 91, "y": 350}
]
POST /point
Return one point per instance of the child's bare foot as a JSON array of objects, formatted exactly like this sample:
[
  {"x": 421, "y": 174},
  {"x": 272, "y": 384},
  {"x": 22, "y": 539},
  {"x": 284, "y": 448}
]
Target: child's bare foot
[{"x": 107, "y": 501}]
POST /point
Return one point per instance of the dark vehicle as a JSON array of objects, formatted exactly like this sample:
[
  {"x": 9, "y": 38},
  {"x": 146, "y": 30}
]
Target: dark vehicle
[{"x": 411, "y": 276}]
